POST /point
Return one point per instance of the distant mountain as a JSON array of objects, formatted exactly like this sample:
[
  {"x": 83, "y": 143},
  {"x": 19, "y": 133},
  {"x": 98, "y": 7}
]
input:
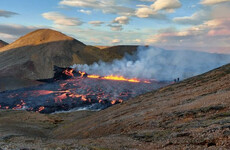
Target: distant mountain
[{"x": 2, "y": 43}]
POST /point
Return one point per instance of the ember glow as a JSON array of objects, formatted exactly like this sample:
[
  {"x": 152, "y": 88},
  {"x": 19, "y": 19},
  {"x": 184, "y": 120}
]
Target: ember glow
[
  {"x": 68, "y": 72},
  {"x": 82, "y": 73},
  {"x": 81, "y": 91}
]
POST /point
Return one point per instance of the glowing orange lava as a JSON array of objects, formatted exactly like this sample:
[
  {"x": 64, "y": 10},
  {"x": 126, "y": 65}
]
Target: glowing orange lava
[
  {"x": 113, "y": 102},
  {"x": 112, "y": 77},
  {"x": 82, "y": 73},
  {"x": 42, "y": 92},
  {"x": 120, "y": 78},
  {"x": 147, "y": 81},
  {"x": 93, "y": 76},
  {"x": 60, "y": 98},
  {"x": 41, "y": 108},
  {"x": 69, "y": 72}
]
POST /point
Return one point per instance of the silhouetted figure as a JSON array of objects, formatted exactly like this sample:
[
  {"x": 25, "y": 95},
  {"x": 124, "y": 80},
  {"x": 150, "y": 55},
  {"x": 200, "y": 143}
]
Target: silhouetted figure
[
  {"x": 174, "y": 80},
  {"x": 178, "y": 79}
]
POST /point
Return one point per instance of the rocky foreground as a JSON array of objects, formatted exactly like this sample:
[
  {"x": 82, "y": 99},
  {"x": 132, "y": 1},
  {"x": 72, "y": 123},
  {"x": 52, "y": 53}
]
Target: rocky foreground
[{"x": 192, "y": 114}]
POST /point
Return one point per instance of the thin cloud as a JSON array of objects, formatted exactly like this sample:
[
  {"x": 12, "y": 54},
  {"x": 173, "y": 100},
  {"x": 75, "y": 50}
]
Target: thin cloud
[
  {"x": 88, "y": 12},
  {"x": 10, "y": 32},
  {"x": 96, "y": 23},
  {"x": 212, "y": 2},
  {"x": 14, "y": 29},
  {"x": 116, "y": 27},
  {"x": 60, "y": 19},
  {"x": 7, "y": 14},
  {"x": 116, "y": 41},
  {"x": 195, "y": 19},
  {"x": 105, "y": 6}
]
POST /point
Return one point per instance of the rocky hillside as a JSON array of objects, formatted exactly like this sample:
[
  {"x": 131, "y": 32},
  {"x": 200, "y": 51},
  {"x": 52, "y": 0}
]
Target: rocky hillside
[
  {"x": 2, "y": 43},
  {"x": 192, "y": 114}
]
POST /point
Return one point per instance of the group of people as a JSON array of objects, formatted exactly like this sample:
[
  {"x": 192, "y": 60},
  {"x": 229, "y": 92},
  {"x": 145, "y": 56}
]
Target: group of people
[{"x": 176, "y": 80}]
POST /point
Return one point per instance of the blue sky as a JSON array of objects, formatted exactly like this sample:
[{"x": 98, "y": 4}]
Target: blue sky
[{"x": 201, "y": 25}]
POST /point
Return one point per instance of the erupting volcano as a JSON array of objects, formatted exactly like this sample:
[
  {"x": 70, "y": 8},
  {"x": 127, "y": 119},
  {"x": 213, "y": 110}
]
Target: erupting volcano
[{"x": 70, "y": 89}]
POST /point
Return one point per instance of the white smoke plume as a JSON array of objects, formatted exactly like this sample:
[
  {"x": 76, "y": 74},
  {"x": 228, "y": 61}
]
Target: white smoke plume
[{"x": 160, "y": 64}]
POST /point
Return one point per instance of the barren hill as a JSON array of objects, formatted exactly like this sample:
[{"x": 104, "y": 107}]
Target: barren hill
[
  {"x": 2, "y": 43},
  {"x": 33, "y": 55}
]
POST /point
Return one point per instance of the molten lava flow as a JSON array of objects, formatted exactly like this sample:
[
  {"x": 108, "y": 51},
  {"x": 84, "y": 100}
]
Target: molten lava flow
[
  {"x": 82, "y": 73},
  {"x": 60, "y": 98},
  {"x": 120, "y": 78},
  {"x": 68, "y": 72},
  {"x": 63, "y": 85},
  {"x": 116, "y": 78},
  {"x": 41, "y": 108},
  {"x": 147, "y": 81},
  {"x": 113, "y": 102},
  {"x": 83, "y": 98},
  {"x": 93, "y": 76},
  {"x": 20, "y": 106},
  {"x": 41, "y": 92}
]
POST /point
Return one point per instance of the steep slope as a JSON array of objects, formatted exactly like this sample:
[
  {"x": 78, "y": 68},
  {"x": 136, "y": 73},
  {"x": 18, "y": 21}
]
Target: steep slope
[
  {"x": 2, "y": 43},
  {"x": 194, "y": 113}
]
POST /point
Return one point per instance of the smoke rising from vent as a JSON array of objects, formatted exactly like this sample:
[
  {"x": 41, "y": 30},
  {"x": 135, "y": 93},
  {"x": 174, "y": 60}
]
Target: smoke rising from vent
[{"x": 160, "y": 64}]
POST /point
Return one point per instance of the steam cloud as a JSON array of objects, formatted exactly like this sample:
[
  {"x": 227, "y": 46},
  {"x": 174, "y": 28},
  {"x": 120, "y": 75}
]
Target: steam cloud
[{"x": 160, "y": 64}]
